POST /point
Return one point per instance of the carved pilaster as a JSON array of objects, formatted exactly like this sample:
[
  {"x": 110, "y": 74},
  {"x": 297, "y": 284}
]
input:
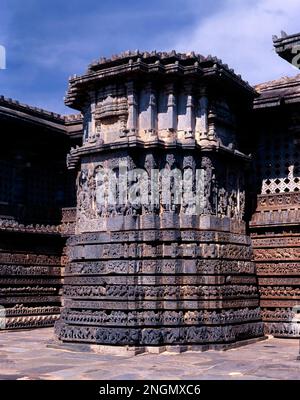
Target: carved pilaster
[
  {"x": 212, "y": 114},
  {"x": 172, "y": 110},
  {"x": 189, "y": 129},
  {"x": 152, "y": 109},
  {"x": 202, "y": 119},
  {"x": 132, "y": 108},
  {"x": 147, "y": 111}
]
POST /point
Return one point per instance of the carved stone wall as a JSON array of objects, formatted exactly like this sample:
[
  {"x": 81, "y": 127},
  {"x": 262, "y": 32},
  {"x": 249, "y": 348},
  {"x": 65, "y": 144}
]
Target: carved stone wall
[
  {"x": 274, "y": 226},
  {"x": 30, "y": 279},
  {"x": 159, "y": 272},
  {"x": 161, "y": 276},
  {"x": 276, "y": 244},
  {"x": 34, "y": 185}
]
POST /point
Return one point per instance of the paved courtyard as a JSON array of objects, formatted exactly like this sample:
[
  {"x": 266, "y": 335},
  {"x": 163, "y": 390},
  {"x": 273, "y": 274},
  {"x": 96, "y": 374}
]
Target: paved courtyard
[{"x": 25, "y": 355}]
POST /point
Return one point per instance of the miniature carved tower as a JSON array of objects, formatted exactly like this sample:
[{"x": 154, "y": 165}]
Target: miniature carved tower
[{"x": 166, "y": 266}]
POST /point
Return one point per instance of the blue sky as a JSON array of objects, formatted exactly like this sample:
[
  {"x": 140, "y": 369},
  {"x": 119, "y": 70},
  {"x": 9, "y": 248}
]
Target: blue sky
[{"x": 47, "y": 41}]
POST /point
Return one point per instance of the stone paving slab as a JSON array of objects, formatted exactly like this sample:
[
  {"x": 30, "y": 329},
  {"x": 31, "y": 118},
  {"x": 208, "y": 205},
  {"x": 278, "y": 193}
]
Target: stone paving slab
[{"x": 24, "y": 355}]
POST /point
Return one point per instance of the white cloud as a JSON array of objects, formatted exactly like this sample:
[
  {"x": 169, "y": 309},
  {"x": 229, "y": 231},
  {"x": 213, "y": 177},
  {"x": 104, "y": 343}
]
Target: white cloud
[{"x": 241, "y": 35}]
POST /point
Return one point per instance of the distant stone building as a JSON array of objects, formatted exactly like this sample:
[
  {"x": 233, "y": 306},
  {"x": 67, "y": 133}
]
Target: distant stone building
[
  {"x": 35, "y": 188},
  {"x": 274, "y": 225},
  {"x": 185, "y": 227}
]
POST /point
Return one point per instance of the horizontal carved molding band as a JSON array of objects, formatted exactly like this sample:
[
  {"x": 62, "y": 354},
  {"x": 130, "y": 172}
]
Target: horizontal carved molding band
[
  {"x": 30, "y": 281},
  {"x": 30, "y": 321},
  {"x": 12, "y": 225},
  {"x": 276, "y": 241},
  {"x": 151, "y": 318},
  {"x": 287, "y": 268},
  {"x": 13, "y": 299},
  {"x": 159, "y": 280},
  {"x": 151, "y": 336},
  {"x": 280, "y": 314},
  {"x": 111, "y": 251},
  {"x": 21, "y": 270},
  {"x": 279, "y": 291},
  {"x": 288, "y": 253},
  {"x": 275, "y": 217},
  {"x": 27, "y": 290},
  {"x": 292, "y": 200},
  {"x": 153, "y": 235},
  {"x": 283, "y": 329},
  {"x": 20, "y": 309},
  {"x": 177, "y": 266},
  {"x": 161, "y": 305},
  {"x": 13, "y": 258},
  {"x": 160, "y": 222},
  {"x": 137, "y": 142},
  {"x": 160, "y": 292},
  {"x": 293, "y": 281},
  {"x": 282, "y": 302}
]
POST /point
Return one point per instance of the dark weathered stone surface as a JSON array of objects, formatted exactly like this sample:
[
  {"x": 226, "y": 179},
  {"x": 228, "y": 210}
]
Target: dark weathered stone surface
[
  {"x": 34, "y": 185},
  {"x": 275, "y": 223}
]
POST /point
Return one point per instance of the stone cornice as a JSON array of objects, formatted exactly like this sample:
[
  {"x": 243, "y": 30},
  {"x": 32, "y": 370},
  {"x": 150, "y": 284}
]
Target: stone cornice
[
  {"x": 157, "y": 64},
  {"x": 67, "y": 124},
  {"x": 275, "y": 93},
  {"x": 285, "y": 44},
  {"x": 16, "y": 105},
  {"x": 214, "y": 146}
]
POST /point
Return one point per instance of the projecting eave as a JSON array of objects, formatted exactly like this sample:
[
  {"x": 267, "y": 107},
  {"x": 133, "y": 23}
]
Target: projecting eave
[
  {"x": 278, "y": 92},
  {"x": 159, "y": 66},
  {"x": 14, "y": 110},
  {"x": 288, "y": 46},
  {"x": 73, "y": 125}
]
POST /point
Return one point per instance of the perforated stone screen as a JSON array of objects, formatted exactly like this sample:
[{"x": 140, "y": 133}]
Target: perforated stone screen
[{"x": 278, "y": 164}]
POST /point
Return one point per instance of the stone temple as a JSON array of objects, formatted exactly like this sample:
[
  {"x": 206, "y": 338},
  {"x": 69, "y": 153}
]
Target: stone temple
[{"x": 176, "y": 219}]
